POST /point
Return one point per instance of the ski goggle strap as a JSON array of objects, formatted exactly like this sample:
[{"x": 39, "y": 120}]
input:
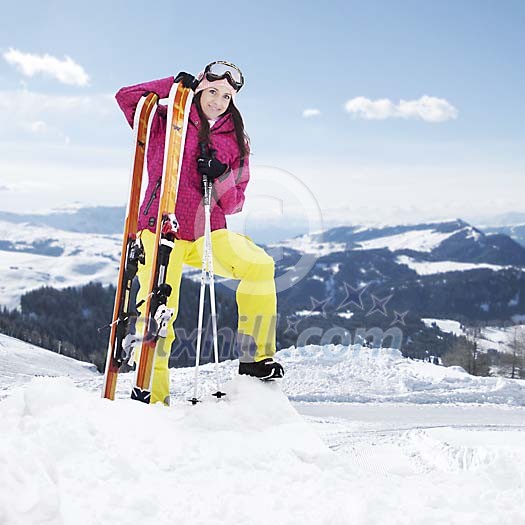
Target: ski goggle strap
[{"x": 220, "y": 69}]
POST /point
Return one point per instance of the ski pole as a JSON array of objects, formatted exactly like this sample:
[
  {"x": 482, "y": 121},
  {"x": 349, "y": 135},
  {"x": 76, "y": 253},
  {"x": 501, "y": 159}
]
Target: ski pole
[
  {"x": 195, "y": 400},
  {"x": 211, "y": 276},
  {"x": 207, "y": 269}
]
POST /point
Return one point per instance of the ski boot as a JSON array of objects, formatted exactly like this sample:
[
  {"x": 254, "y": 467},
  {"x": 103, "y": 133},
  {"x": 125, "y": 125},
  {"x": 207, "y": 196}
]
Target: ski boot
[{"x": 266, "y": 370}]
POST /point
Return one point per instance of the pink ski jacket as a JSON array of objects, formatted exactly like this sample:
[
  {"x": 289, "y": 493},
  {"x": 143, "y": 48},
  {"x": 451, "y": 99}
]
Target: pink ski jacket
[{"x": 228, "y": 190}]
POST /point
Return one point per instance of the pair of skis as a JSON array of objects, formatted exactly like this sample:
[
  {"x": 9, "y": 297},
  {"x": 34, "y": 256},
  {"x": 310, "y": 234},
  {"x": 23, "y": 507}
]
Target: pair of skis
[{"x": 154, "y": 310}]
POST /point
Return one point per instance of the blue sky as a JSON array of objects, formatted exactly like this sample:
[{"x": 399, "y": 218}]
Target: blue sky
[{"x": 466, "y": 160}]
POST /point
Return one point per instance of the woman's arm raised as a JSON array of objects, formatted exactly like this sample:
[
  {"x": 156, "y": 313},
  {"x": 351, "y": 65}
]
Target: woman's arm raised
[{"x": 128, "y": 97}]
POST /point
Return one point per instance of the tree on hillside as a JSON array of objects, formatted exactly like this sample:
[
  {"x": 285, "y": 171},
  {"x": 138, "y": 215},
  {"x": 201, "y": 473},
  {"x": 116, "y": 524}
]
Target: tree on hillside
[
  {"x": 465, "y": 352},
  {"x": 517, "y": 345}
]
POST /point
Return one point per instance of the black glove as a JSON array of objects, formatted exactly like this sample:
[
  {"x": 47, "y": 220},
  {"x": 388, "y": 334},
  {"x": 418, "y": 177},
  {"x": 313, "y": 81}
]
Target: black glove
[
  {"x": 210, "y": 166},
  {"x": 188, "y": 80}
]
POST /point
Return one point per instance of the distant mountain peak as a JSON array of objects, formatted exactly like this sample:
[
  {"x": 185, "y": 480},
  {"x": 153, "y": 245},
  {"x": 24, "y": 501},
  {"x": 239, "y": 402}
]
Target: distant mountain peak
[{"x": 105, "y": 220}]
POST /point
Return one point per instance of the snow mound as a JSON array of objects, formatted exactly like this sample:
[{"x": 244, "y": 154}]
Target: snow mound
[
  {"x": 356, "y": 374},
  {"x": 68, "y": 456},
  {"x": 20, "y": 362},
  {"x": 330, "y": 373}
]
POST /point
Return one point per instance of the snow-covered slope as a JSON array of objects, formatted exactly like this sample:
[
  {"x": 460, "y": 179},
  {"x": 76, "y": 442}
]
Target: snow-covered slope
[
  {"x": 334, "y": 373},
  {"x": 490, "y": 337},
  {"x": 20, "y": 362},
  {"x": 417, "y": 240},
  {"x": 32, "y": 257},
  {"x": 69, "y": 457},
  {"x": 35, "y": 256},
  {"x": 356, "y": 374},
  {"x": 434, "y": 267}
]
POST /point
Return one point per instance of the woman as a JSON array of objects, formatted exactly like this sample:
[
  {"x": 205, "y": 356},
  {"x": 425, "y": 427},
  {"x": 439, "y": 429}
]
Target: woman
[{"x": 215, "y": 122}]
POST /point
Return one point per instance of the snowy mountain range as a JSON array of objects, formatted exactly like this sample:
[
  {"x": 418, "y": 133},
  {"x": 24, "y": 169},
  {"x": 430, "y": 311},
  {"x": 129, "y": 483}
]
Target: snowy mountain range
[
  {"x": 97, "y": 219},
  {"x": 33, "y": 256},
  {"x": 447, "y": 270},
  {"x": 346, "y": 277},
  {"x": 453, "y": 241},
  {"x": 419, "y": 265}
]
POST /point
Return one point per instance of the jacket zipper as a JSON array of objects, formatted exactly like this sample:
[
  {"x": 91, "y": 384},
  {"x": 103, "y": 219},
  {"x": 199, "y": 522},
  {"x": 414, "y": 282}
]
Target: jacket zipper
[{"x": 153, "y": 196}]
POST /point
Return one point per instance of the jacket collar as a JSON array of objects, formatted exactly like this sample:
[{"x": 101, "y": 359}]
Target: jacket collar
[{"x": 223, "y": 125}]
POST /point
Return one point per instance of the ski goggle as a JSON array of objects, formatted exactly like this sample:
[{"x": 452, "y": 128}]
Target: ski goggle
[{"x": 220, "y": 69}]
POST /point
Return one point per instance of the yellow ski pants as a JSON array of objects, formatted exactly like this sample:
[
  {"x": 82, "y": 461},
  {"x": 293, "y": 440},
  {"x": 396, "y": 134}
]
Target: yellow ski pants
[{"x": 235, "y": 256}]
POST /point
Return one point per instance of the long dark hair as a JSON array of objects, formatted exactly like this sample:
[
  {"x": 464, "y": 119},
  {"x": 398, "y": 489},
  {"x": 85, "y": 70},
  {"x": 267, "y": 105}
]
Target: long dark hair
[{"x": 243, "y": 140}]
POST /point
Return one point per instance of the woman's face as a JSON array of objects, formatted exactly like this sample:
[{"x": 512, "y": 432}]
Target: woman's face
[{"x": 215, "y": 101}]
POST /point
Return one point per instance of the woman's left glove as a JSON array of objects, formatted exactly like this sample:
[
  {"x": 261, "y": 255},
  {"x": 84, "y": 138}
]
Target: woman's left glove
[{"x": 210, "y": 166}]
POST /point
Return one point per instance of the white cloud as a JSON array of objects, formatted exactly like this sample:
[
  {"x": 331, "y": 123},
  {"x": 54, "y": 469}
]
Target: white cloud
[
  {"x": 26, "y": 114},
  {"x": 42, "y": 129},
  {"x": 32, "y": 101},
  {"x": 29, "y": 105},
  {"x": 37, "y": 126},
  {"x": 429, "y": 109},
  {"x": 307, "y": 113},
  {"x": 66, "y": 71}
]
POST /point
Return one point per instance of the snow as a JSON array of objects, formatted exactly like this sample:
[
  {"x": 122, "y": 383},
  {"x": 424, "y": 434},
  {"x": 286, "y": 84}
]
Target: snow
[
  {"x": 306, "y": 244},
  {"x": 490, "y": 337},
  {"x": 20, "y": 362},
  {"x": 85, "y": 258},
  {"x": 418, "y": 444},
  {"x": 75, "y": 458},
  {"x": 445, "y": 325},
  {"x": 339, "y": 373},
  {"x": 515, "y": 301},
  {"x": 417, "y": 240},
  {"x": 501, "y": 338},
  {"x": 336, "y": 267},
  {"x": 472, "y": 233},
  {"x": 434, "y": 267},
  {"x": 304, "y": 313}
]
